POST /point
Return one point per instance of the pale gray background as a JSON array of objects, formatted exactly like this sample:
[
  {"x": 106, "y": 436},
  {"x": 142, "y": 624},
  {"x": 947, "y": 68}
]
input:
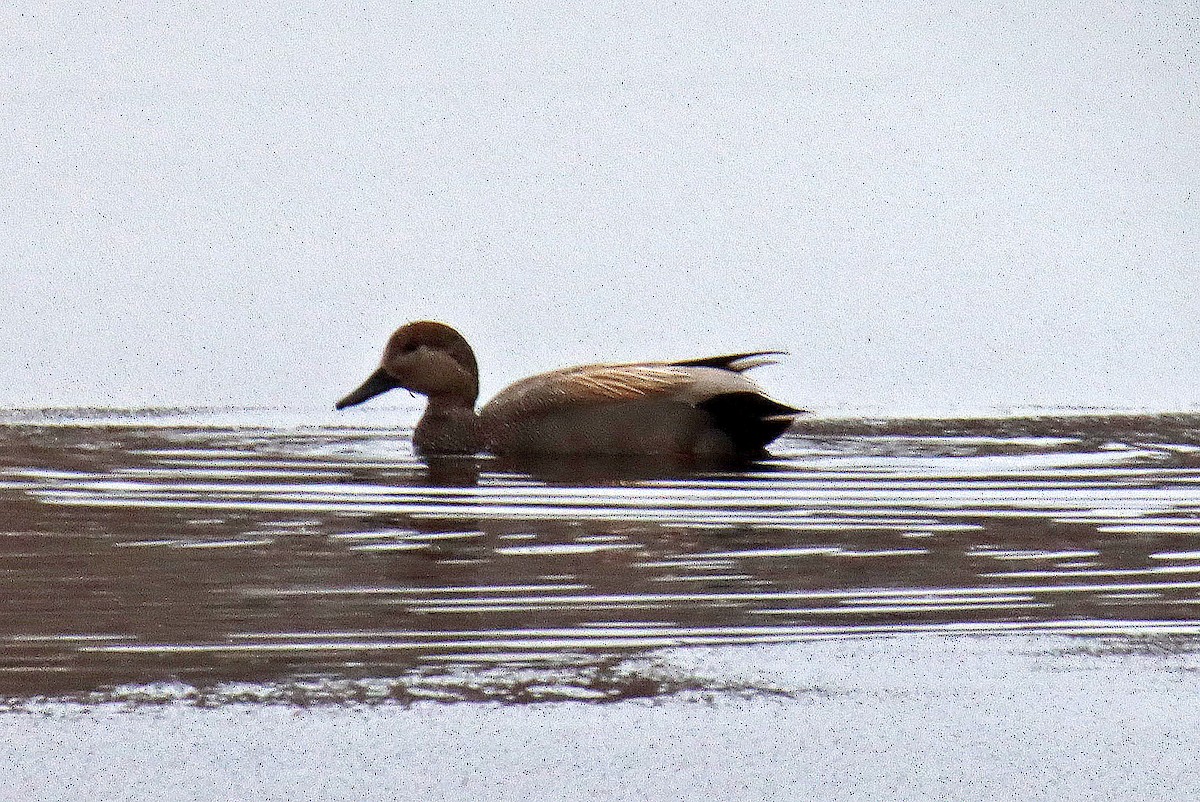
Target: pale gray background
[{"x": 932, "y": 206}]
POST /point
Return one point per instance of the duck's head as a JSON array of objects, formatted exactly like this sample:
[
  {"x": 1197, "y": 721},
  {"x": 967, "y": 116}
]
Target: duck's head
[{"x": 427, "y": 358}]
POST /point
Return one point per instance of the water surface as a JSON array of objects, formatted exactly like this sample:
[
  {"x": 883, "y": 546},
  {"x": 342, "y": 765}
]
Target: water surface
[{"x": 255, "y": 556}]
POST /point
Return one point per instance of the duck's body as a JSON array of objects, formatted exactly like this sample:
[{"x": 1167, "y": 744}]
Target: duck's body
[{"x": 697, "y": 408}]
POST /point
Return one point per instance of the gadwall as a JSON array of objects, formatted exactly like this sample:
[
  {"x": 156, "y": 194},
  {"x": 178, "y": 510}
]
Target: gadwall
[{"x": 694, "y": 408}]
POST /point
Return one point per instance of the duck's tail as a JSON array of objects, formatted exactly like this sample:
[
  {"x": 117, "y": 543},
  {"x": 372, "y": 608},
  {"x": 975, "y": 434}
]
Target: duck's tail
[{"x": 738, "y": 363}]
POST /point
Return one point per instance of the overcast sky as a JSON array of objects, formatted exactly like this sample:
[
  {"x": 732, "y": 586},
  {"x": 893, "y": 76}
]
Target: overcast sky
[{"x": 931, "y": 206}]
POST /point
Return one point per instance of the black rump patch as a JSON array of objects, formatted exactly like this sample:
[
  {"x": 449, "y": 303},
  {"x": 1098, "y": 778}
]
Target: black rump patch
[{"x": 749, "y": 419}]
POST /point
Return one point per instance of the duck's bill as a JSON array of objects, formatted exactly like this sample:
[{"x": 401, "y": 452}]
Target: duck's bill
[{"x": 378, "y": 382}]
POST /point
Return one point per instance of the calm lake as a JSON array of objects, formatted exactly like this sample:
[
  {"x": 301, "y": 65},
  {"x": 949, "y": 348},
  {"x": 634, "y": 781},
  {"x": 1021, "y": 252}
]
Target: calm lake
[{"x": 234, "y": 604}]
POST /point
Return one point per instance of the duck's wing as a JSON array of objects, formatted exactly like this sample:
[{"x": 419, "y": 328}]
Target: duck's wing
[
  {"x": 587, "y": 385},
  {"x": 621, "y": 382},
  {"x": 694, "y": 383}
]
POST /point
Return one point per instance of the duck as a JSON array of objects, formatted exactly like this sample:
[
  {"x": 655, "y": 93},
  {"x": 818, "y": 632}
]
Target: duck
[{"x": 696, "y": 408}]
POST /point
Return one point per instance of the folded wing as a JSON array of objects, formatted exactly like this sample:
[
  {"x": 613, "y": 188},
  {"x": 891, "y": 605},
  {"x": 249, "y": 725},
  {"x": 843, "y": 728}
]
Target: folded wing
[{"x": 587, "y": 385}]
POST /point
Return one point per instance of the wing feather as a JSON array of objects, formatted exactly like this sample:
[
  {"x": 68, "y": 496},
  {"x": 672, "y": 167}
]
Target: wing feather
[
  {"x": 589, "y": 384},
  {"x": 619, "y": 382}
]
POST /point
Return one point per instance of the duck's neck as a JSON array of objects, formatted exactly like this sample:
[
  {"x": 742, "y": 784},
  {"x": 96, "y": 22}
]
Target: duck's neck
[{"x": 450, "y": 425}]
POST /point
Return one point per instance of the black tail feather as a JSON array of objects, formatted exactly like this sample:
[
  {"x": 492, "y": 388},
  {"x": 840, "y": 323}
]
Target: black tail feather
[{"x": 729, "y": 361}]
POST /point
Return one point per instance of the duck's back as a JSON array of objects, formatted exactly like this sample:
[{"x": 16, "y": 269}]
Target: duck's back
[{"x": 697, "y": 408}]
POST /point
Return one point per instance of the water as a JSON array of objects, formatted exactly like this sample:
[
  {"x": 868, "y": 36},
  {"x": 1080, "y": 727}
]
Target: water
[{"x": 943, "y": 570}]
